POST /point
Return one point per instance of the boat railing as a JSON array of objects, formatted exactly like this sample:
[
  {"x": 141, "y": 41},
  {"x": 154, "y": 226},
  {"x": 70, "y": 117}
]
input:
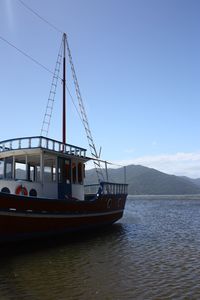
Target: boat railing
[
  {"x": 106, "y": 188},
  {"x": 41, "y": 142}
]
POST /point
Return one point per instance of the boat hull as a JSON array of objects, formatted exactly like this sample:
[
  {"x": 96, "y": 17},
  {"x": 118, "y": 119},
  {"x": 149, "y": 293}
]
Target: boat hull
[{"x": 25, "y": 217}]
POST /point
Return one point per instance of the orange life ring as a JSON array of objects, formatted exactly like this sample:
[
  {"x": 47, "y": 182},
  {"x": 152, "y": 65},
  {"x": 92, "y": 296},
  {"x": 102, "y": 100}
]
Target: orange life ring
[{"x": 21, "y": 190}]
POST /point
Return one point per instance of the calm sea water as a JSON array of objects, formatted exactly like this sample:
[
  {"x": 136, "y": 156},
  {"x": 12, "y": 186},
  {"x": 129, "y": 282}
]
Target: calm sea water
[{"x": 152, "y": 253}]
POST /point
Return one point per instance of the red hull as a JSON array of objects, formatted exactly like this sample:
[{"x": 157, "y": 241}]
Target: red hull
[{"x": 22, "y": 217}]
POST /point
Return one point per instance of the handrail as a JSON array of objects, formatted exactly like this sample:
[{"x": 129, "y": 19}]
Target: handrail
[
  {"x": 106, "y": 188},
  {"x": 41, "y": 142}
]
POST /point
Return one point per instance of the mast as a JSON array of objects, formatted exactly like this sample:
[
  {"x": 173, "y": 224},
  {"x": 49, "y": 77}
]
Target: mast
[{"x": 64, "y": 89}]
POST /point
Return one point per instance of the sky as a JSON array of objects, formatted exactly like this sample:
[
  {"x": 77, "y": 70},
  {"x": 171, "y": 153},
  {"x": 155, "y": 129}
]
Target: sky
[{"x": 138, "y": 67}]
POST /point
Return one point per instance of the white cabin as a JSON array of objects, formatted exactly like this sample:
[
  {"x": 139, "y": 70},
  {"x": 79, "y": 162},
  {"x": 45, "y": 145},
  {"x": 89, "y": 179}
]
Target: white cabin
[{"x": 42, "y": 167}]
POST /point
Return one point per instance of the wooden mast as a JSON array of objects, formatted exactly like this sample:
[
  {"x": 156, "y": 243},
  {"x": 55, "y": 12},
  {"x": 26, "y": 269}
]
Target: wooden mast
[{"x": 64, "y": 89}]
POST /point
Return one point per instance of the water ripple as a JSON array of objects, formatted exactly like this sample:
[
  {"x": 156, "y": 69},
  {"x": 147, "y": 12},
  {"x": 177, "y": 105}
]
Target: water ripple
[{"x": 153, "y": 253}]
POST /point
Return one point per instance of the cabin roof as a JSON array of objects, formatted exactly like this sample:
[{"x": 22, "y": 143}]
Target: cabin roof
[{"x": 36, "y": 144}]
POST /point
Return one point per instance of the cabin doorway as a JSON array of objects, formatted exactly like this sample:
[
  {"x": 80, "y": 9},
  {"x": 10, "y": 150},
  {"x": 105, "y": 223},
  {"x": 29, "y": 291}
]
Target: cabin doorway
[{"x": 64, "y": 178}]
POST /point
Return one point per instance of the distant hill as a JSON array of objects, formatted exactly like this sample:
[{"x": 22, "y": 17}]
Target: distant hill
[
  {"x": 196, "y": 181},
  {"x": 193, "y": 180},
  {"x": 147, "y": 181}
]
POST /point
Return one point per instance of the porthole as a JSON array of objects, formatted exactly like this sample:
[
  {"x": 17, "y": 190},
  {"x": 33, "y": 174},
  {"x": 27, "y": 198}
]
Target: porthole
[
  {"x": 5, "y": 190},
  {"x": 33, "y": 193}
]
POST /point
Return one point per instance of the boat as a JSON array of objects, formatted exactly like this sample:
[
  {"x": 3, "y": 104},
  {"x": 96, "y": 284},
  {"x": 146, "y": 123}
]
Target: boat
[{"x": 42, "y": 190}]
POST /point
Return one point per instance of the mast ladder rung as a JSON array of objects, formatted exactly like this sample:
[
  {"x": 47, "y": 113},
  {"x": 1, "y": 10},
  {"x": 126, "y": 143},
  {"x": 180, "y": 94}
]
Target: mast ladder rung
[{"x": 52, "y": 93}]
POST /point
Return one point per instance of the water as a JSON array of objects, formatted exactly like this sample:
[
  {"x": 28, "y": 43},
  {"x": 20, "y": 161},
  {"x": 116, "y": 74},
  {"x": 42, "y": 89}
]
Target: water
[{"x": 152, "y": 253}]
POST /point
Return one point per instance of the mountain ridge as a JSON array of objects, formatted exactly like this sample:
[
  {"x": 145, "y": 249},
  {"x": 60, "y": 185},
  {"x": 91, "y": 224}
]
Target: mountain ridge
[{"x": 148, "y": 181}]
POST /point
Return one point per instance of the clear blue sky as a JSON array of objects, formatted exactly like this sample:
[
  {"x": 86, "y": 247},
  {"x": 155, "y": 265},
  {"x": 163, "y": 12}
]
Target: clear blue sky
[{"x": 138, "y": 65}]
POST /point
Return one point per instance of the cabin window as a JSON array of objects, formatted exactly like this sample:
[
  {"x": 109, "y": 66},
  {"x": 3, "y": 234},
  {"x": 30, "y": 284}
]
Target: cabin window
[
  {"x": 37, "y": 173},
  {"x": 49, "y": 169},
  {"x": 8, "y": 167},
  {"x": 31, "y": 173},
  {"x": 33, "y": 168},
  {"x": 64, "y": 173},
  {"x": 80, "y": 173},
  {"x": 1, "y": 169},
  {"x": 47, "y": 174},
  {"x": 84, "y": 170},
  {"x": 74, "y": 172},
  {"x": 67, "y": 171},
  {"x": 59, "y": 174},
  {"x": 20, "y": 170},
  {"x": 53, "y": 173},
  {"x": 60, "y": 170}
]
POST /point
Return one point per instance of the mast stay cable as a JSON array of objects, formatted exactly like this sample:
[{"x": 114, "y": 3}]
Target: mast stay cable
[
  {"x": 43, "y": 67},
  {"x": 40, "y": 17},
  {"x": 84, "y": 118},
  {"x": 25, "y": 54},
  {"x": 91, "y": 143}
]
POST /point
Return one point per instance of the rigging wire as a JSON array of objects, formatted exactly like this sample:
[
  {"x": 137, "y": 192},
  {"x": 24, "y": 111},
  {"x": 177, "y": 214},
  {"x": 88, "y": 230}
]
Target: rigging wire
[
  {"x": 82, "y": 113},
  {"x": 56, "y": 29},
  {"x": 59, "y": 31},
  {"x": 25, "y": 54},
  {"x": 43, "y": 19},
  {"x": 43, "y": 67}
]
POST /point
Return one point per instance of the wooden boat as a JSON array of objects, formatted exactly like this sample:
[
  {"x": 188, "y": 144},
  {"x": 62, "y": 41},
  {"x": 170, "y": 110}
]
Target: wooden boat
[{"x": 42, "y": 189}]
